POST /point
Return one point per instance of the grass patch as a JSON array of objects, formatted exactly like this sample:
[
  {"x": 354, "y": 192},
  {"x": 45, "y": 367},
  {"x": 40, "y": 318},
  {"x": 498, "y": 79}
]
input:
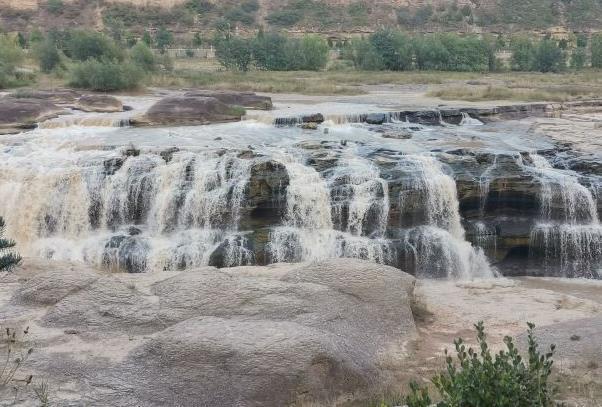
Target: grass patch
[{"x": 491, "y": 92}]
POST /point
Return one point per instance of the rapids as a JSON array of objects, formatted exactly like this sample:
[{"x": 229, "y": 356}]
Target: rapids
[{"x": 449, "y": 201}]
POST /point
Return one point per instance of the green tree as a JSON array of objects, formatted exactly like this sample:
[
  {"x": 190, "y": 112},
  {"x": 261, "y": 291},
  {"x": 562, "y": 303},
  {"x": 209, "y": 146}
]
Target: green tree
[
  {"x": 21, "y": 40},
  {"x": 394, "y": 49},
  {"x": 163, "y": 39},
  {"x": 197, "y": 40},
  {"x": 269, "y": 51},
  {"x": 363, "y": 55},
  {"x": 36, "y": 36},
  {"x": 233, "y": 52},
  {"x": 430, "y": 53},
  {"x": 597, "y": 51},
  {"x": 84, "y": 45},
  {"x": 578, "y": 59},
  {"x": 147, "y": 39},
  {"x": 8, "y": 258},
  {"x": 142, "y": 56},
  {"x": 48, "y": 56},
  {"x": 11, "y": 56},
  {"x": 549, "y": 57},
  {"x": 523, "y": 54},
  {"x": 315, "y": 53}
]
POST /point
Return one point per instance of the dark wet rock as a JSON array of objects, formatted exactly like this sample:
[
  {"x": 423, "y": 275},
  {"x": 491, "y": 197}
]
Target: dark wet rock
[
  {"x": 313, "y": 118},
  {"x": 18, "y": 114},
  {"x": 112, "y": 165},
  {"x": 127, "y": 108},
  {"x": 134, "y": 231},
  {"x": 99, "y": 104},
  {"x": 248, "y": 100},
  {"x": 167, "y": 155},
  {"x": 131, "y": 151},
  {"x": 125, "y": 254},
  {"x": 187, "y": 111},
  {"x": 376, "y": 118}
]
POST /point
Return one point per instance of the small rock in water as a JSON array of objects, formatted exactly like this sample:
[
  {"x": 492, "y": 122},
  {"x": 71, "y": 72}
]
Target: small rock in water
[
  {"x": 376, "y": 118},
  {"x": 218, "y": 139},
  {"x": 326, "y": 130},
  {"x": 310, "y": 126},
  {"x": 402, "y": 135},
  {"x": 575, "y": 338},
  {"x": 134, "y": 231}
]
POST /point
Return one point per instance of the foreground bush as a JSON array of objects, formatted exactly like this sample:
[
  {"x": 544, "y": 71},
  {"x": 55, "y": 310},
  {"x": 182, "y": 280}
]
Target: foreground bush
[
  {"x": 10, "y": 56},
  {"x": 8, "y": 258},
  {"x": 105, "y": 75},
  {"x": 482, "y": 379}
]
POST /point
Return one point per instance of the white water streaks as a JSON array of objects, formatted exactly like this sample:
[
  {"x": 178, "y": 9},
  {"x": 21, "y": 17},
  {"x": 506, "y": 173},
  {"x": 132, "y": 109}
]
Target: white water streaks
[
  {"x": 569, "y": 230},
  {"x": 439, "y": 248}
]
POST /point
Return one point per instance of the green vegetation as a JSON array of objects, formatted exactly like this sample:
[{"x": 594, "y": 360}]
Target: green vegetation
[
  {"x": 271, "y": 52},
  {"x": 8, "y": 258},
  {"x": 597, "y": 51},
  {"x": 10, "y": 57},
  {"x": 480, "y": 378},
  {"x": 48, "y": 56},
  {"x": 143, "y": 57},
  {"x": 549, "y": 57},
  {"x": 54, "y": 6},
  {"x": 84, "y": 45},
  {"x": 105, "y": 75}
]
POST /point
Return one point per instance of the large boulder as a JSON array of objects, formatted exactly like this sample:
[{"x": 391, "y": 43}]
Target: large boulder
[
  {"x": 58, "y": 96},
  {"x": 99, "y": 104},
  {"x": 17, "y": 114},
  {"x": 188, "y": 111},
  {"x": 249, "y": 336},
  {"x": 248, "y": 100}
]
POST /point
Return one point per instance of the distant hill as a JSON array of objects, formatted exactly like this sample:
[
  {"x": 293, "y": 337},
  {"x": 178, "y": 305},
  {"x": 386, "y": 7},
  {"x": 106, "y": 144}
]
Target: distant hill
[{"x": 336, "y": 17}]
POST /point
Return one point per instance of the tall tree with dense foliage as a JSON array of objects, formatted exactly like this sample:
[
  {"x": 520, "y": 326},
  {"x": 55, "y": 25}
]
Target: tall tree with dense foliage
[
  {"x": 8, "y": 258},
  {"x": 83, "y": 45},
  {"x": 596, "y": 44},
  {"x": 394, "y": 49},
  {"x": 523, "y": 53},
  {"x": 143, "y": 57},
  {"x": 10, "y": 56},
  {"x": 269, "y": 51},
  {"x": 163, "y": 39},
  {"x": 48, "y": 55},
  {"x": 549, "y": 57}
]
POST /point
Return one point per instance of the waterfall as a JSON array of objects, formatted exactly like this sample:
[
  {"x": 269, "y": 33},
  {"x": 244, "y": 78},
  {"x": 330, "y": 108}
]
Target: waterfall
[
  {"x": 484, "y": 184},
  {"x": 133, "y": 213},
  {"x": 309, "y": 231},
  {"x": 439, "y": 248},
  {"x": 467, "y": 120},
  {"x": 569, "y": 229}
]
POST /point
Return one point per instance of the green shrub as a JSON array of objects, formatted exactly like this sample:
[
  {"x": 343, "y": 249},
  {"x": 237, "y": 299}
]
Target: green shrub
[
  {"x": 233, "y": 52},
  {"x": 549, "y": 57},
  {"x": 163, "y": 39},
  {"x": 54, "y": 6},
  {"x": 105, "y": 75},
  {"x": 364, "y": 55},
  {"x": 523, "y": 54},
  {"x": 10, "y": 56},
  {"x": 84, "y": 45},
  {"x": 500, "y": 380},
  {"x": 578, "y": 59},
  {"x": 8, "y": 258},
  {"x": 314, "y": 54},
  {"x": 142, "y": 56},
  {"x": 48, "y": 56},
  {"x": 597, "y": 51},
  {"x": 394, "y": 49},
  {"x": 269, "y": 51}
]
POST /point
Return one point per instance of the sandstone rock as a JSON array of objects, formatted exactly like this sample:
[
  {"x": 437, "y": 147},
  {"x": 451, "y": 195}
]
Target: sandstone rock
[
  {"x": 17, "y": 114},
  {"x": 309, "y": 126},
  {"x": 57, "y": 96},
  {"x": 187, "y": 111},
  {"x": 248, "y": 100},
  {"x": 99, "y": 104},
  {"x": 248, "y": 336}
]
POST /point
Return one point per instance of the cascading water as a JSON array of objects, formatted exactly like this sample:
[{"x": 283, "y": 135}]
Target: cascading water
[
  {"x": 309, "y": 231},
  {"x": 569, "y": 229},
  {"x": 135, "y": 214},
  {"x": 439, "y": 248}
]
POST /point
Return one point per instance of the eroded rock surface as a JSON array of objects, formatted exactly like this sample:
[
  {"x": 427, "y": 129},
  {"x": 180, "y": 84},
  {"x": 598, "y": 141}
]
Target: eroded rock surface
[
  {"x": 248, "y": 100},
  {"x": 247, "y": 336},
  {"x": 17, "y": 114},
  {"x": 99, "y": 104},
  {"x": 180, "y": 110}
]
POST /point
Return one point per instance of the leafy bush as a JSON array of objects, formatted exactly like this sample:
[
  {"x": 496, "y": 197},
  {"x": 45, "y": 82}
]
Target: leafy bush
[
  {"x": 163, "y": 39},
  {"x": 142, "y": 56},
  {"x": 48, "y": 56},
  {"x": 233, "y": 52},
  {"x": 482, "y": 379},
  {"x": 105, "y": 75},
  {"x": 54, "y": 6},
  {"x": 578, "y": 59},
  {"x": 523, "y": 54},
  {"x": 10, "y": 56},
  {"x": 269, "y": 51},
  {"x": 549, "y": 57},
  {"x": 597, "y": 51},
  {"x": 309, "y": 54},
  {"x": 364, "y": 55},
  {"x": 394, "y": 49},
  {"x": 8, "y": 258},
  {"x": 84, "y": 45}
]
